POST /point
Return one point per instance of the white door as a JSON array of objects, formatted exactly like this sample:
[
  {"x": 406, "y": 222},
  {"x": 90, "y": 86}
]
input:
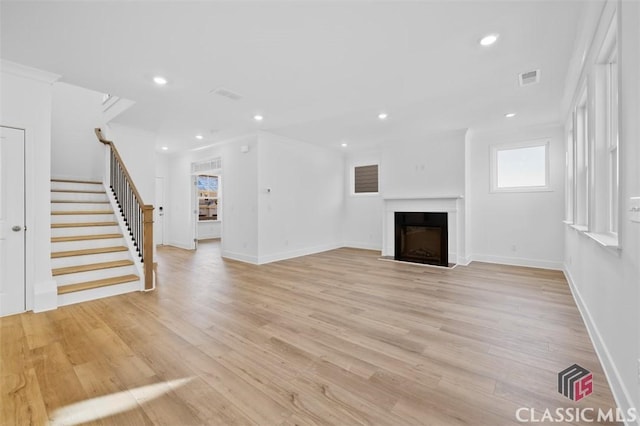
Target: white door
[
  {"x": 12, "y": 222},
  {"x": 158, "y": 227}
]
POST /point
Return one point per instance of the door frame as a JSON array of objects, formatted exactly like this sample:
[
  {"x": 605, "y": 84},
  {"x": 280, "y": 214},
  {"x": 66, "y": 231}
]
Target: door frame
[{"x": 27, "y": 222}]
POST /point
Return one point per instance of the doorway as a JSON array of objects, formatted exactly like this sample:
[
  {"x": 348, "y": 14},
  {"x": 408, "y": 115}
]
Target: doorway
[{"x": 12, "y": 221}]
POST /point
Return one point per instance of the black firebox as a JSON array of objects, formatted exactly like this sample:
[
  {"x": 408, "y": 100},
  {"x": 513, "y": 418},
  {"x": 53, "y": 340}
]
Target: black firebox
[{"x": 421, "y": 237}]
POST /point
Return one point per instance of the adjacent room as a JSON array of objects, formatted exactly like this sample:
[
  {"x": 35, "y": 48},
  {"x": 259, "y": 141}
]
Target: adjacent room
[{"x": 307, "y": 212}]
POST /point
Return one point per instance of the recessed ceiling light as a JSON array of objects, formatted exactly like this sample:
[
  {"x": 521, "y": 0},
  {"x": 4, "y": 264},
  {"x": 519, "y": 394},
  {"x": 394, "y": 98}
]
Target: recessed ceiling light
[
  {"x": 164, "y": 148},
  {"x": 258, "y": 117},
  {"x": 199, "y": 137},
  {"x": 160, "y": 81},
  {"x": 343, "y": 144},
  {"x": 382, "y": 116},
  {"x": 489, "y": 39},
  {"x": 510, "y": 114}
]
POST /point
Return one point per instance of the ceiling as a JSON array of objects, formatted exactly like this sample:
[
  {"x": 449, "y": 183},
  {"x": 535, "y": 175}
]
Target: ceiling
[{"x": 317, "y": 71}]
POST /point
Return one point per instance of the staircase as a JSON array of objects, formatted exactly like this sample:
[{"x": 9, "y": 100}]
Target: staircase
[{"x": 90, "y": 257}]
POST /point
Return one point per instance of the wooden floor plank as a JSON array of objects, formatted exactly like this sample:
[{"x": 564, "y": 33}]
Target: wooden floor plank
[{"x": 336, "y": 338}]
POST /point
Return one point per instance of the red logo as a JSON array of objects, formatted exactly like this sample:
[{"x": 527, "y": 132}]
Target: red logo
[{"x": 575, "y": 382}]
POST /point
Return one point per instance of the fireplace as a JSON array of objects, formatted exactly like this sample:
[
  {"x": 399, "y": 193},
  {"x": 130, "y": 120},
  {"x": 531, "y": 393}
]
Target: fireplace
[{"x": 421, "y": 238}]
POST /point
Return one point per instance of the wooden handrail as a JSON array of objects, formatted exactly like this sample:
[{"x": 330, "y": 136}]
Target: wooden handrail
[
  {"x": 143, "y": 213},
  {"x": 124, "y": 168}
]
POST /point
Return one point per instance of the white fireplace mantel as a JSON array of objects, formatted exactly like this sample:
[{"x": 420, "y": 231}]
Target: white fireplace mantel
[{"x": 453, "y": 205}]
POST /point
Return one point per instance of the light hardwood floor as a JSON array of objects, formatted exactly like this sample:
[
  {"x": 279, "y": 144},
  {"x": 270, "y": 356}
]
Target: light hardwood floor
[{"x": 335, "y": 338}]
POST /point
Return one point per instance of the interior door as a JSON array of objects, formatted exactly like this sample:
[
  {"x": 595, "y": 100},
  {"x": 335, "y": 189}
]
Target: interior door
[
  {"x": 158, "y": 226},
  {"x": 12, "y": 221}
]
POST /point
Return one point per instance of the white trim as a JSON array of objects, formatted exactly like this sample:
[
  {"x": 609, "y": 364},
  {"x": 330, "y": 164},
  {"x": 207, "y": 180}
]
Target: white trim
[
  {"x": 24, "y": 71},
  {"x": 605, "y": 240},
  {"x": 363, "y": 246},
  {"x": 621, "y": 394},
  {"x": 240, "y": 257},
  {"x": 297, "y": 253},
  {"x": 518, "y": 261},
  {"x": 179, "y": 245},
  {"x": 493, "y": 165}
]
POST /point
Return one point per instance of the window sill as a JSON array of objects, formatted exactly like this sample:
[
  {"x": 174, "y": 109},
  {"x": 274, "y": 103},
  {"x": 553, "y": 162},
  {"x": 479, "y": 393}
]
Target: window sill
[
  {"x": 581, "y": 228},
  {"x": 208, "y": 220},
  {"x": 605, "y": 240},
  {"x": 567, "y": 222}
]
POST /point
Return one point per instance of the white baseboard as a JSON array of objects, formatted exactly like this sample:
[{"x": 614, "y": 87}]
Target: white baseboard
[
  {"x": 178, "y": 244},
  {"x": 240, "y": 257},
  {"x": 364, "y": 246},
  {"x": 518, "y": 261},
  {"x": 620, "y": 393},
  {"x": 297, "y": 253},
  {"x": 72, "y": 177},
  {"x": 45, "y": 296}
]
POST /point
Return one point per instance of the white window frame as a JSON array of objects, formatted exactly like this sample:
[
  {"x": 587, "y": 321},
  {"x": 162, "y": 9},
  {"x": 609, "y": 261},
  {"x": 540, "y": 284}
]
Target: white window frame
[
  {"x": 352, "y": 184},
  {"x": 519, "y": 145}
]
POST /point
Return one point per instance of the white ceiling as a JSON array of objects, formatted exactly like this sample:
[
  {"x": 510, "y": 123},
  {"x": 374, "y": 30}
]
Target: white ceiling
[{"x": 317, "y": 71}]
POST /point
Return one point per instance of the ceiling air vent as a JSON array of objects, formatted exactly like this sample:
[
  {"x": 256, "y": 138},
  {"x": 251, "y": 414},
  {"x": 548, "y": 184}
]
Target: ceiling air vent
[
  {"x": 529, "y": 77},
  {"x": 226, "y": 93}
]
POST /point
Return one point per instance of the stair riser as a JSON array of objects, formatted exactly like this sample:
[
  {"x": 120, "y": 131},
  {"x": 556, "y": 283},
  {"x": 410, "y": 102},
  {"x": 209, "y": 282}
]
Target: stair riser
[
  {"x": 93, "y": 230},
  {"x": 73, "y": 218},
  {"x": 78, "y": 196},
  {"x": 87, "y": 244},
  {"x": 66, "y": 207},
  {"x": 79, "y": 277},
  {"x": 62, "y": 262},
  {"x": 98, "y": 293},
  {"x": 77, "y": 186}
]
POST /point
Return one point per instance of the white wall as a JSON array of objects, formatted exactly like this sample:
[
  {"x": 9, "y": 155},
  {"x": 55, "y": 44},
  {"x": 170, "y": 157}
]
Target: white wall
[
  {"x": 520, "y": 228},
  {"x": 76, "y": 153},
  {"x": 25, "y": 102},
  {"x": 303, "y": 212},
  {"x": 239, "y": 202},
  {"x": 606, "y": 281},
  {"x": 138, "y": 152},
  {"x": 363, "y": 213},
  {"x": 429, "y": 165}
]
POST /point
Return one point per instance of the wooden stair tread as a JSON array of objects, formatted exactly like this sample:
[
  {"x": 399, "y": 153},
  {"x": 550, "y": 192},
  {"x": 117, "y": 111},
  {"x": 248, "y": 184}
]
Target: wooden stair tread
[
  {"x": 84, "y": 237},
  {"x": 101, "y": 250},
  {"x": 79, "y": 191},
  {"x": 77, "y": 212},
  {"x": 90, "y": 267},
  {"x": 82, "y": 224},
  {"x": 76, "y": 181},
  {"x": 79, "y": 202},
  {"x": 88, "y": 285}
]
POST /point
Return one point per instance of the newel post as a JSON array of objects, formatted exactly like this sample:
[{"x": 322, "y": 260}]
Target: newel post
[{"x": 147, "y": 260}]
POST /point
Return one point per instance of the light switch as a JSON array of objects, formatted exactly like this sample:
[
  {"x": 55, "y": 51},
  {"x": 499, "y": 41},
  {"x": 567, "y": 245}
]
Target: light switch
[{"x": 634, "y": 209}]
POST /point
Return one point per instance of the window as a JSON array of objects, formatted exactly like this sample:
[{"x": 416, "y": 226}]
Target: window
[
  {"x": 569, "y": 182},
  {"x": 208, "y": 201},
  {"x": 365, "y": 179},
  {"x": 581, "y": 165},
  {"x": 520, "y": 167}
]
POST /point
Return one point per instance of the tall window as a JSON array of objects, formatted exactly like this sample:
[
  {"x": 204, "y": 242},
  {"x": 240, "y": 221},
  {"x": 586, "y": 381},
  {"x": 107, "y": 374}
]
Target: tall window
[
  {"x": 581, "y": 165},
  {"x": 612, "y": 141},
  {"x": 569, "y": 158},
  {"x": 520, "y": 167}
]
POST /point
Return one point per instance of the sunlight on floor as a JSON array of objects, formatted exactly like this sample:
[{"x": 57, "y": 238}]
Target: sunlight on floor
[{"x": 108, "y": 405}]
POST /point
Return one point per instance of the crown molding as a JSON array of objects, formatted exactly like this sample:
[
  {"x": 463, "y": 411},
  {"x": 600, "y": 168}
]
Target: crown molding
[{"x": 24, "y": 71}]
